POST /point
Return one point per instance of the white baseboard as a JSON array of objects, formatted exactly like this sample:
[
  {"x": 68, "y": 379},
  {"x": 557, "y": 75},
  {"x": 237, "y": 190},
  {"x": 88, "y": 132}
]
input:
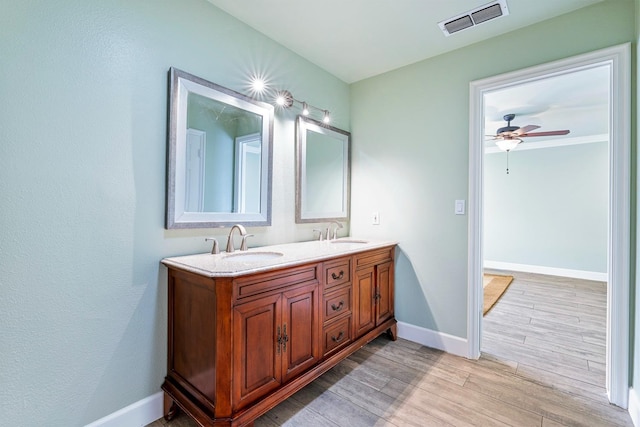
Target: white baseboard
[
  {"x": 552, "y": 271},
  {"x": 634, "y": 406},
  {"x": 138, "y": 414},
  {"x": 430, "y": 338}
]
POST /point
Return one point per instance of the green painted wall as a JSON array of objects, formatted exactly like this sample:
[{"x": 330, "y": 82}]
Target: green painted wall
[
  {"x": 410, "y": 152},
  {"x": 551, "y": 210},
  {"x": 83, "y": 119}
]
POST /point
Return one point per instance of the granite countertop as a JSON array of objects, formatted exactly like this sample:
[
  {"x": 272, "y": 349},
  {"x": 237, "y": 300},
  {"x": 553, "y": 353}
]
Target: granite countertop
[{"x": 272, "y": 257}]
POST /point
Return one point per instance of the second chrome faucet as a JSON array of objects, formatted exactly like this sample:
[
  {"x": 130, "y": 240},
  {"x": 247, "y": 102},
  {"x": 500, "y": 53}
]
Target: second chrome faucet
[{"x": 328, "y": 234}]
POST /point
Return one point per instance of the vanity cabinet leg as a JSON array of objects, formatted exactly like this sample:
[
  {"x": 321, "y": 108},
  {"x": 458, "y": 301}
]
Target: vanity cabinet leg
[
  {"x": 392, "y": 332},
  {"x": 170, "y": 408}
]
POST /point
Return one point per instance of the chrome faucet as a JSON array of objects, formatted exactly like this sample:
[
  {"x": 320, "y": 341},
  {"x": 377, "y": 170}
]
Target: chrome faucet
[
  {"x": 243, "y": 234},
  {"x": 215, "y": 249},
  {"x": 335, "y": 230}
]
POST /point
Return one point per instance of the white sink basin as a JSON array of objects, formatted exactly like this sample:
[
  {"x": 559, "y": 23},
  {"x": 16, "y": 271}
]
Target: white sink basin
[
  {"x": 252, "y": 256},
  {"x": 349, "y": 241}
]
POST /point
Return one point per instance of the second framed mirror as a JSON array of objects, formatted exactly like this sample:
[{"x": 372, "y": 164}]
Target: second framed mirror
[{"x": 323, "y": 160}]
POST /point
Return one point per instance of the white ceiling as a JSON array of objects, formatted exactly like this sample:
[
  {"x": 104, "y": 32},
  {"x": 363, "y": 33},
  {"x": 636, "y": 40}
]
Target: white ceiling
[{"x": 356, "y": 39}]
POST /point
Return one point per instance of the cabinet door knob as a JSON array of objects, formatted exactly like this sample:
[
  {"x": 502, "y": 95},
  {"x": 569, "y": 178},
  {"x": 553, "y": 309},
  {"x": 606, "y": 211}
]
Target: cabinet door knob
[
  {"x": 285, "y": 338},
  {"x": 337, "y": 307},
  {"x": 278, "y": 340},
  {"x": 339, "y": 337},
  {"x": 335, "y": 276}
]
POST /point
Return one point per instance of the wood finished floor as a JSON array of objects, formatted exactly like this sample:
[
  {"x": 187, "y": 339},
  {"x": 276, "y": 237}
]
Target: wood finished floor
[{"x": 543, "y": 364}]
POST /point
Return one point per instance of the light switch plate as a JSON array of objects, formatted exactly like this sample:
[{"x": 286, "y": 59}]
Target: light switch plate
[
  {"x": 375, "y": 218},
  {"x": 460, "y": 207}
]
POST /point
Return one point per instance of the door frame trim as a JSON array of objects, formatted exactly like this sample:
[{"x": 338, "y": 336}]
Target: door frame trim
[{"x": 618, "y": 311}]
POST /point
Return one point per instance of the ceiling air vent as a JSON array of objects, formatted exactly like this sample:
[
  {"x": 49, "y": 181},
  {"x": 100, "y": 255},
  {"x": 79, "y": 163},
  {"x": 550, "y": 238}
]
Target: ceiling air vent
[{"x": 474, "y": 17}]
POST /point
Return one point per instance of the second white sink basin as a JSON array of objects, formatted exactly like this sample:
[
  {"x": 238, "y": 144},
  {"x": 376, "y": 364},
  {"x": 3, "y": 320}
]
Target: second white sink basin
[{"x": 252, "y": 256}]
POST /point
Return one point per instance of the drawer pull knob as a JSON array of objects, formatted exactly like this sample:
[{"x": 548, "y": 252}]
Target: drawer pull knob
[
  {"x": 339, "y": 337},
  {"x": 337, "y": 307},
  {"x": 335, "y": 276}
]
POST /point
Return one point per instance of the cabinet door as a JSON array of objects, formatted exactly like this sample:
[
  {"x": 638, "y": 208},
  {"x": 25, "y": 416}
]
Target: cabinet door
[
  {"x": 384, "y": 292},
  {"x": 255, "y": 349},
  {"x": 300, "y": 347},
  {"x": 364, "y": 302}
]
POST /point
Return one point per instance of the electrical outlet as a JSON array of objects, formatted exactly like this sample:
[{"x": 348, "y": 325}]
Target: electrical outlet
[{"x": 375, "y": 218}]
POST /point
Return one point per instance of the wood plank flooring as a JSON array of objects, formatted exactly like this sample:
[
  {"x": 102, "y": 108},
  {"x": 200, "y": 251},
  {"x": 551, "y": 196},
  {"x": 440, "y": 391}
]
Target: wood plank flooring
[{"x": 543, "y": 365}]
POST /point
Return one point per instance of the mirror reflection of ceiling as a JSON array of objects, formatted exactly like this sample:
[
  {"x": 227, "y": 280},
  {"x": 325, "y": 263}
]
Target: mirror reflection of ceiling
[
  {"x": 216, "y": 111},
  {"x": 356, "y": 39},
  {"x": 578, "y": 101}
]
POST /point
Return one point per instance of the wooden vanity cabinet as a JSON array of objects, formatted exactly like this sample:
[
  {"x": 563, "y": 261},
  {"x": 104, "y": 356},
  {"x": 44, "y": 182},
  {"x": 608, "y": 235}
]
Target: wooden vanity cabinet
[
  {"x": 237, "y": 346},
  {"x": 373, "y": 289}
]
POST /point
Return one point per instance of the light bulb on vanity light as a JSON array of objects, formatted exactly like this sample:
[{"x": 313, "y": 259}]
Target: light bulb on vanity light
[
  {"x": 305, "y": 109},
  {"x": 326, "y": 118},
  {"x": 284, "y": 99},
  {"x": 258, "y": 85}
]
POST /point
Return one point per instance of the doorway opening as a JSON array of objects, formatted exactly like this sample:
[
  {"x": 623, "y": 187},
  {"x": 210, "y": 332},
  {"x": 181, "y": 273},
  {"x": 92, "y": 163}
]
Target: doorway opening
[{"x": 617, "y": 62}]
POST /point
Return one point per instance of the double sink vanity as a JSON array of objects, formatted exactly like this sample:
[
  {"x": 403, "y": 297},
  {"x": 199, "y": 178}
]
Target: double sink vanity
[{"x": 248, "y": 329}]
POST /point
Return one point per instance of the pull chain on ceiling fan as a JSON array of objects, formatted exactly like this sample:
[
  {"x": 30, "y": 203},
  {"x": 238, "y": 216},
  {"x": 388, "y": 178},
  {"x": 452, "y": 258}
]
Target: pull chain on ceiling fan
[{"x": 508, "y": 137}]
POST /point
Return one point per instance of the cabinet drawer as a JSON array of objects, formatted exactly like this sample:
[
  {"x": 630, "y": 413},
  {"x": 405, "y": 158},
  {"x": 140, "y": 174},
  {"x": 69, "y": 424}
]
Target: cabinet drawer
[
  {"x": 260, "y": 283},
  {"x": 337, "y": 335},
  {"x": 337, "y": 272},
  {"x": 337, "y": 303},
  {"x": 374, "y": 257}
]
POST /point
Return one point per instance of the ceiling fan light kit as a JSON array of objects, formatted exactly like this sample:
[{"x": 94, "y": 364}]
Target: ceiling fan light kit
[
  {"x": 508, "y": 137},
  {"x": 474, "y": 17},
  {"x": 508, "y": 144}
]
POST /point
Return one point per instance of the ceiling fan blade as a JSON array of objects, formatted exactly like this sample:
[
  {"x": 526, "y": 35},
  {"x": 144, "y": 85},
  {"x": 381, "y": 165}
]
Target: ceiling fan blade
[
  {"x": 550, "y": 133},
  {"x": 526, "y": 129}
]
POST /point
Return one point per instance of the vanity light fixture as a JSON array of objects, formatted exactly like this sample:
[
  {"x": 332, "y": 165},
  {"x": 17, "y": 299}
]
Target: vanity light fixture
[{"x": 285, "y": 99}]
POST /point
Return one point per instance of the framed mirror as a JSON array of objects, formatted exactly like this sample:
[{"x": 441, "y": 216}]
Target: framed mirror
[
  {"x": 322, "y": 172},
  {"x": 219, "y": 156}
]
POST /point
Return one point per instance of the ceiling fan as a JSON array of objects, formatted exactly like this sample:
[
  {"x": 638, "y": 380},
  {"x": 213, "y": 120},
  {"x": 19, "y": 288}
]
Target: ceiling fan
[
  {"x": 514, "y": 133},
  {"x": 508, "y": 137}
]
